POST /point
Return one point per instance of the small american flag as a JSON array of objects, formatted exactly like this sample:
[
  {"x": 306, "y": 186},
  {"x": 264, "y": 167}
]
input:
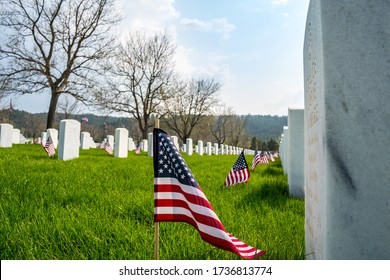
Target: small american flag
[
  {"x": 107, "y": 147},
  {"x": 256, "y": 159},
  {"x": 239, "y": 172},
  {"x": 49, "y": 146},
  {"x": 138, "y": 150},
  {"x": 270, "y": 156},
  {"x": 263, "y": 158},
  {"x": 179, "y": 198}
]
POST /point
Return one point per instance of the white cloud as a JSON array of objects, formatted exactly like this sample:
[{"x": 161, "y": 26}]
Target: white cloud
[
  {"x": 148, "y": 16},
  {"x": 280, "y": 2},
  {"x": 218, "y": 25}
]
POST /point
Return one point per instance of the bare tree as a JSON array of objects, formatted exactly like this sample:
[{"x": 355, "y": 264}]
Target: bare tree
[
  {"x": 68, "y": 106},
  {"x": 237, "y": 132},
  {"x": 221, "y": 126},
  {"x": 141, "y": 78},
  {"x": 189, "y": 105},
  {"x": 54, "y": 46}
]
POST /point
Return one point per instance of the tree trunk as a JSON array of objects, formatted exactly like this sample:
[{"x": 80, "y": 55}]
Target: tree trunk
[{"x": 52, "y": 110}]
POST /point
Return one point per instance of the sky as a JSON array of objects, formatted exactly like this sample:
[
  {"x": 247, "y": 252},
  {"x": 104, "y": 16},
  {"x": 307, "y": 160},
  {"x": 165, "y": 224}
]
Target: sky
[{"x": 253, "y": 48}]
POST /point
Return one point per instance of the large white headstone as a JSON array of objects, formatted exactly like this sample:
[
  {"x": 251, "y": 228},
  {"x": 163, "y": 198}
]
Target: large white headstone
[
  {"x": 6, "y": 131},
  {"x": 69, "y": 140},
  {"x": 296, "y": 153},
  {"x": 121, "y": 143},
  {"x": 346, "y": 74}
]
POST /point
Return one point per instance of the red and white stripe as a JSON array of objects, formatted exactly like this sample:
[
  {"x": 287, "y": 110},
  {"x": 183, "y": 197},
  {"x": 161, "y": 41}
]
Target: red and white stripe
[
  {"x": 236, "y": 177},
  {"x": 177, "y": 202}
]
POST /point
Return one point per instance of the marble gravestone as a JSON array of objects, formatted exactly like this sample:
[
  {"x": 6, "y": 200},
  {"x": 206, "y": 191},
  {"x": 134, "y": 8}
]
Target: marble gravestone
[
  {"x": 176, "y": 142},
  {"x": 296, "y": 152},
  {"x": 150, "y": 144},
  {"x": 200, "y": 147},
  {"x": 6, "y": 132},
  {"x": 208, "y": 149},
  {"x": 121, "y": 143},
  {"x": 285, "y": 150},
  {"x": 84, "y": 140},
  {"x": 54, "y": 136},
  {"x": 215, "y": 148},
  {"x": 69, "y": 139},
  {"x": 347, "y": 163},
  {"x": 189, "y": 148},
  {"x": 16, "y": 136}
]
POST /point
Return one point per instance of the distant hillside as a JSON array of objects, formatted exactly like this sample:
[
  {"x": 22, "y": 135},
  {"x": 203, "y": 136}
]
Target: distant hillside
[
  {"x": 262, "y": 127},
  {"x": 265, "y": 127}
]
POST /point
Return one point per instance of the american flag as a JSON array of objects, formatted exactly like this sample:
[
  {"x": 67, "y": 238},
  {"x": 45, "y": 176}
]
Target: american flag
[
  {"x": 138, "y": 150},
  {"x": 49, "y": 146},
  {"x": 270, "y": 156},
  {"x": 256, "y": 159},
  {"x": 179, "y": 198},
  {"x": 239, "y": 172},
  {"x": 107, "y": 147},
  {"x": 263, "y": 158}
]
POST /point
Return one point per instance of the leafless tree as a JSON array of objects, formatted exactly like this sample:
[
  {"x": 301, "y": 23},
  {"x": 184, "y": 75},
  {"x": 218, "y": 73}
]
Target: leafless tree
[
  {"x": 237, "y": 132},
  {"x": 54, "y": 46},
  {"x": 189, "y": 105},
  {"x": 222, "y": 124},
  {"x": 68, "y": 106},
  {"x": 141, "y": 78}
]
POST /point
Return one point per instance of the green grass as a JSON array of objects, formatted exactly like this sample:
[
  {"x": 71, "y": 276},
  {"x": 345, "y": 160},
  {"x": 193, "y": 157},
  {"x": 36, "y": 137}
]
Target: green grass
[{"x": 99, "y": 207}]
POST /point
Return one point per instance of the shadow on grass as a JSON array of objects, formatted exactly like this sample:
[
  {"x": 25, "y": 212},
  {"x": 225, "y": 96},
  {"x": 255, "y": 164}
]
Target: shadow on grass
[{"x": 271, "y": 192}]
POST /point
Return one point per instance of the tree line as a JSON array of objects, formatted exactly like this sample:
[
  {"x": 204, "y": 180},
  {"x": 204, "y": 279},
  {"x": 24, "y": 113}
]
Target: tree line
[
  {"x": 68, "y": 49},
  {"x": 257, "y": 131}
]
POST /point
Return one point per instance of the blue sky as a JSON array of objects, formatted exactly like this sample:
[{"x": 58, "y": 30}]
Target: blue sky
[{"x": 252, "y": 47}]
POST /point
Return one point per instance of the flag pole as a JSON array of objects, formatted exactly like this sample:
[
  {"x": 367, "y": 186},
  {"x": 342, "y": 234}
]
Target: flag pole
[{"x": 156, "y": 224}]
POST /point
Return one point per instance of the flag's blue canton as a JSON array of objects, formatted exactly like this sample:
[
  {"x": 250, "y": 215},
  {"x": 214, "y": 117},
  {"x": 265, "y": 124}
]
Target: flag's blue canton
[
  {"x": 240, "y": 164},
  {"x": 170, "y": 162}
]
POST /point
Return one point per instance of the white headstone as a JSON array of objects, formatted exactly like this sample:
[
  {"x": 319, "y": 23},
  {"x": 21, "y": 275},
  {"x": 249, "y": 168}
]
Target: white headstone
[
  {"x": 144, "y": 145},
  {"x": 347, "y": 163},
  {"x": 85, "y": 139},
  {"x": 150, "y": 144},
  {"x": 111, "y": 140},
  {"x": 216, "y": 148},
  {"x": 285, "y": 160},
  {"x": 43, "y": 138},
  {"x": 222, "y": 149},
  {"x": 131, "y": 144},
  {"x": 54, "y": 136},
  {"x": 176, "y": 142},
  {"x": 69, "y": 140},
  {"x": 296, "y": 153},
  {"x": 121, "y": 141},
  {"x": 208, "y": 145},
  {"x": 200, "y": 147},
  {"x": 189, "y": 146},
  {"x": 6, "y": 131},
  {"x": 15, "y": 136}
]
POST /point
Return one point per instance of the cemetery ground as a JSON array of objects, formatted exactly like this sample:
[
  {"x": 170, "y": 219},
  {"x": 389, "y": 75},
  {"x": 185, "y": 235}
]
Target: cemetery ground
[{"x": 98, "y": 207}]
